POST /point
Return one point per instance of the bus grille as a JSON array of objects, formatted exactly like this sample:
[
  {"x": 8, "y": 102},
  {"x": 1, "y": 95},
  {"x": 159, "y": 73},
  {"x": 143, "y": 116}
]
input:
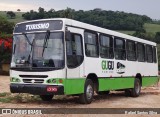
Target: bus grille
[{"x": 33, "y": 80}]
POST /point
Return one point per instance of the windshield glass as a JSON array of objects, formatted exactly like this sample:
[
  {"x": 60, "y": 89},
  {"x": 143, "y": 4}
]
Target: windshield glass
[{"x": 44, "y": 51}]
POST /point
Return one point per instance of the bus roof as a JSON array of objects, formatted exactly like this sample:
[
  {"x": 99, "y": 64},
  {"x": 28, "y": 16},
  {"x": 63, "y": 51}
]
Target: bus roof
[{"x": 78, "y": 24}]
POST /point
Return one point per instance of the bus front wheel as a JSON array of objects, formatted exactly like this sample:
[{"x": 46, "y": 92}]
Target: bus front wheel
[
  {"x": 87, "y": 96},
  {"x": 46, "y": 97}
]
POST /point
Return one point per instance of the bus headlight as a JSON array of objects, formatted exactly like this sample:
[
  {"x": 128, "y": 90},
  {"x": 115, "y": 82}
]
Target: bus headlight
[{"x": 51, "y": 81}]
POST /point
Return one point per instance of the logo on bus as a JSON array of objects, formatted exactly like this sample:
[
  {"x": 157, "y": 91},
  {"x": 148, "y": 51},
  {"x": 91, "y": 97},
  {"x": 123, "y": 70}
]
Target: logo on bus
[
  {"x": 107, "y": 65},
  {"x": 120, "y": 68},
  {"x": 37, "y": 26}
]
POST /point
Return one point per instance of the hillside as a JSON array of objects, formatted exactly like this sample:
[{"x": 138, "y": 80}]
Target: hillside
[
  {"x": 150, "y": 28},
  {"x": 153, "y": 28},
  {"x": 17, "y": 19}
]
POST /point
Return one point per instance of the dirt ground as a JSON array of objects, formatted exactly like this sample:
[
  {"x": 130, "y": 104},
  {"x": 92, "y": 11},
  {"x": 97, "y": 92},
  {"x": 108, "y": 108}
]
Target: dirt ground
[{"x": 149, "y": 98}]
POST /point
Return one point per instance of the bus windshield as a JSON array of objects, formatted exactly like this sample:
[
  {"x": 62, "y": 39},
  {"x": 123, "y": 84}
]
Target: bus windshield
[{"x": 37, "y": 50}]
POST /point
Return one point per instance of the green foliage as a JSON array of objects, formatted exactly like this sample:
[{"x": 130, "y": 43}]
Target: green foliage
[
  {"x": 157, "y": 37},
  {"x": 18, "y": 18},
  {"x": 11, "y": 14},
  {"x": 4, "y": 94},
  {"x": 144, "y": 35},
  {"x": 102, "y": 18},
  {"x": 6, "y": 26}
]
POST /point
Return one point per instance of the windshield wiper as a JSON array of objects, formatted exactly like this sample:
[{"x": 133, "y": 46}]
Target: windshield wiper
[
  {"x": 45, "y": 41},
  {"x": 27, "y": 38}
]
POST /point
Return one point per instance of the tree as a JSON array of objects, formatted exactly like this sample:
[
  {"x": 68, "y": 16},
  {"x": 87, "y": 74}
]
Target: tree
[
  {"x": 102, "y": 18},
  {"x": 68, "y": 13},
  {"x": 18, "y": 10},
  {"x": 11, "y": 14}
]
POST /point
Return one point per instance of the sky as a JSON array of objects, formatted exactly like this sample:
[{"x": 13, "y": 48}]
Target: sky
[{"x": 150, "y": 8}]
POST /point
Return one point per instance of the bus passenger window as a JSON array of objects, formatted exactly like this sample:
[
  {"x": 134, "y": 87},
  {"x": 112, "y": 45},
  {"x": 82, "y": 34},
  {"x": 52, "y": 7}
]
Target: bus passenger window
[
  {"x": 106, "y": 46},
  {"x": 141, "y": 52},
  {"x": 119, "y": 45},
  {"x": 91, "y": 44},
  {"x": 131, "y": 50},
  {"x": 149, "y": 54},
  {"x": 74, "y": 51},
  {"x": 154, "y": 55}
]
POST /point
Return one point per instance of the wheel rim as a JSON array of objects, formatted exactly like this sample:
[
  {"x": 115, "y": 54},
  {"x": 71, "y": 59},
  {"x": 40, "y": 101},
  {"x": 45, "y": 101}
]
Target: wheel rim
[
  {"x": 137, "y": 87},
  {"x": 89, "y": 92}
]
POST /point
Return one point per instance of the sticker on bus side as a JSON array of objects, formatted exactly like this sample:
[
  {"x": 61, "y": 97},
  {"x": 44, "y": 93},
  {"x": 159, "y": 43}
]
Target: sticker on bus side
[
  {"x": 120, "y": 68},
  {"x": 108, "y": 67}
]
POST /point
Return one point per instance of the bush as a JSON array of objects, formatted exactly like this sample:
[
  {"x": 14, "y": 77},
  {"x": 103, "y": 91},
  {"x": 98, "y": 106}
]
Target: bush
[{"x": 5, "y": 48}]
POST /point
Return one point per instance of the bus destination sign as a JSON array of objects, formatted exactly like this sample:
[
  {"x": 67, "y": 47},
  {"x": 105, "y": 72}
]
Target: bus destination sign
[{"x": 38, "y": 26}]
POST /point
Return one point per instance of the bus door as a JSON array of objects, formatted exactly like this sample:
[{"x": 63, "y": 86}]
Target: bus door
[{"x": 74, "y": 53}]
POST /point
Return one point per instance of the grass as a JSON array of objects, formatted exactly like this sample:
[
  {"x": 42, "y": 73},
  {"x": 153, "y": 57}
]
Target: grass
[
  {"x": 153, "y": 28},
  {"x": 22, "y": 98},
  {"x": 17, "y": 19},
  {"x": 4, "y": 94},
  {"x": 150, "y": 28}
]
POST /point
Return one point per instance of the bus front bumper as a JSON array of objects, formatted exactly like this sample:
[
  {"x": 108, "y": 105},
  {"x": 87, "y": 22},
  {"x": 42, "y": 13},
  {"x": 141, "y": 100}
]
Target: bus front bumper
[{"x": 37, "y": 89}]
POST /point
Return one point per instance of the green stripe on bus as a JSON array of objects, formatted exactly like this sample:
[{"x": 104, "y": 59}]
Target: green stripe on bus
[
  {"x": 124, "y": 83},
  {"x": 76, "y": 85},
  {"x": 115, "y": 83},
  {"x": 148, "y": 81}
]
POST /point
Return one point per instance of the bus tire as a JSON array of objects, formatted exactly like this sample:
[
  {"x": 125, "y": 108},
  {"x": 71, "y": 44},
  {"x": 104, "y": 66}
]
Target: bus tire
[
  {"x": 103, "y": 92},
  {"x": 87, "y": 96},
  {"x": 46, "y": 97},
  {"x": 135, "y": 92}
]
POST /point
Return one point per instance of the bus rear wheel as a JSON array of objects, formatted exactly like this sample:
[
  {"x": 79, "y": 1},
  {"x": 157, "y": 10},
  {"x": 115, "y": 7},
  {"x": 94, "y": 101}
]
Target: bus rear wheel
[
  {"x": 87, "y": 96},
  {"x": 135, "y": 92},
  {"x": 46, "y": 97}
]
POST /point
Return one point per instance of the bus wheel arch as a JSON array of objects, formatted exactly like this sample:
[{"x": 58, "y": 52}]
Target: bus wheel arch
[
  {"x": 94, "y": 78},
  {"x": 139, "y": 76}
]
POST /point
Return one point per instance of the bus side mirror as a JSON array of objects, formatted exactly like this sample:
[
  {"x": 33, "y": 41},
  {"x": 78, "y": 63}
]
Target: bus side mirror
[{"x": 68, "y": 35}]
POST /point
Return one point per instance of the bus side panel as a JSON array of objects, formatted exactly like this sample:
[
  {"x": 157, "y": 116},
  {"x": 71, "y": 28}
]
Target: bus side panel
[
  {"x": 147, "y": 81},
  {"x": 115, "y": 83},
  {"x": 74, "y": 86}
]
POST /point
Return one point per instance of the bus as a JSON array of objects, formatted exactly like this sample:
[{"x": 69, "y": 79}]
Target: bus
[{"x": 61, "y": 56}]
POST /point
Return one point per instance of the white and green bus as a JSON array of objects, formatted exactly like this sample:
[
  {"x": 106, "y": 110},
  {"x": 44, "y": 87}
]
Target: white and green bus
[{"x": 61, "y": 56}]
